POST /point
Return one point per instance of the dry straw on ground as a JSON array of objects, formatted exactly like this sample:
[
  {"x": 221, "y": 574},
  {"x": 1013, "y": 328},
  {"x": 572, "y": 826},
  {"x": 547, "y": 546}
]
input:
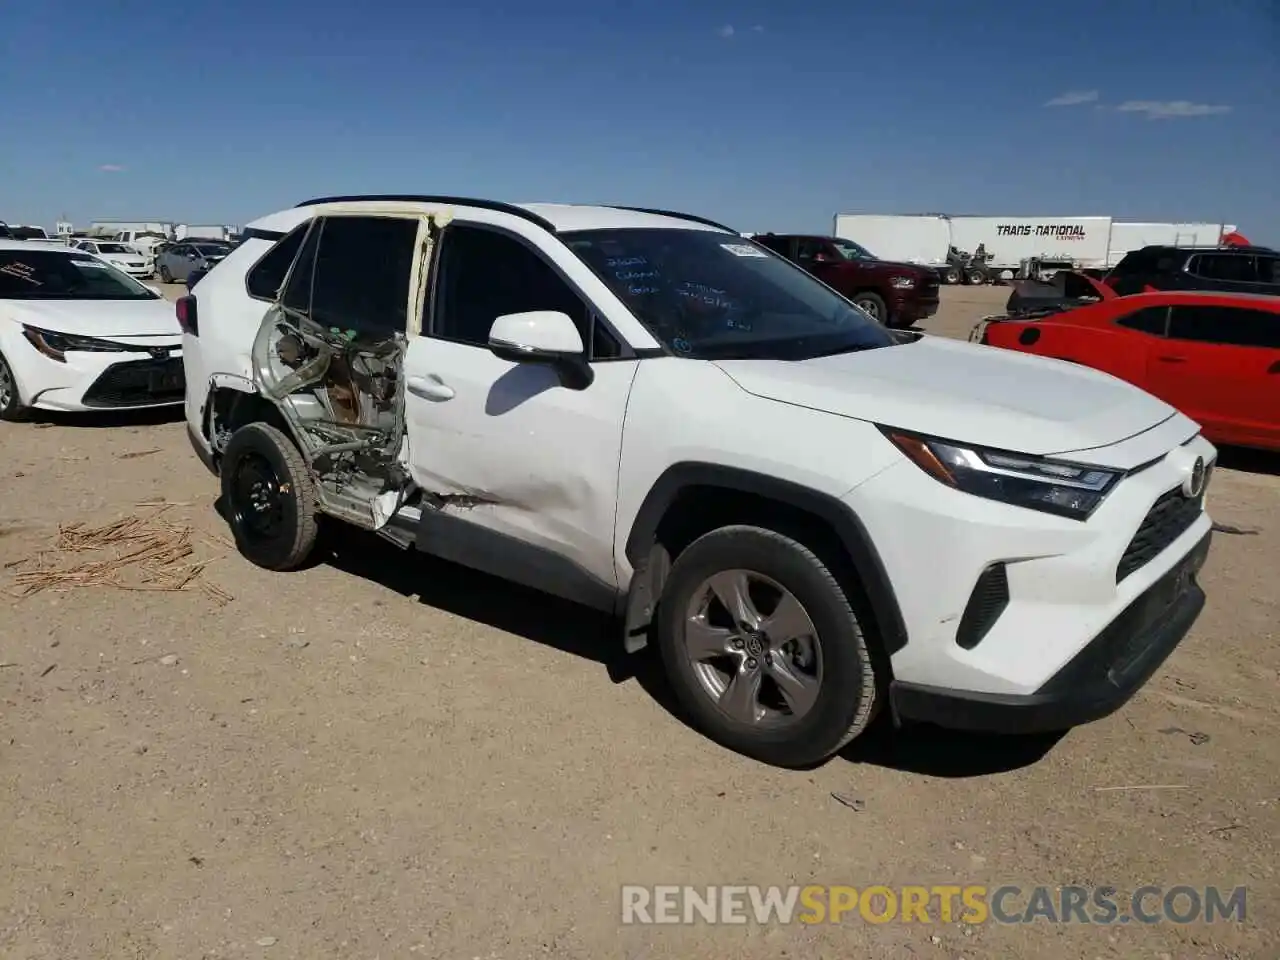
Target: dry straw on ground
[{"x": 138, "y": 552}]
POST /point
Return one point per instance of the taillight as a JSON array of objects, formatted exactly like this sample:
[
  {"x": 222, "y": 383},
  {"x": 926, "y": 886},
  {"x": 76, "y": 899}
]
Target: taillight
[{"x": 187, "y": 318}]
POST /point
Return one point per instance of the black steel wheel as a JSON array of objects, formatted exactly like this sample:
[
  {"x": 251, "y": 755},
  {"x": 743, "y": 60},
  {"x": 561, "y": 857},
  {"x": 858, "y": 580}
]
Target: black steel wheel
[{"x": 269, "y": 497}]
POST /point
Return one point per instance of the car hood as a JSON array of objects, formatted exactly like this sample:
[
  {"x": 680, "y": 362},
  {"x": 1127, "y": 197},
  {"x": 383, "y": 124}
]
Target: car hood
[
  {"x": 97, "y": 318},
  {"x": 962, "y": 392}
]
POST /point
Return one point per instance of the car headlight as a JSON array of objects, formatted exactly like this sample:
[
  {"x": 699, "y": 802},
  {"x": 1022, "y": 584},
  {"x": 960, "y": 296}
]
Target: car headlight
[
  {"x": 56, "y": 346},
  {"x": 902, "y": 283},
  {"x": 1059, "y": 487}
]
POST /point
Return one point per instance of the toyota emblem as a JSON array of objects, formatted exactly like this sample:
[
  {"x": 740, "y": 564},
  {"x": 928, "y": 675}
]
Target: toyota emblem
[
  {"x": 1193, "y": 486},
  {"x": 160, "y": 353}
]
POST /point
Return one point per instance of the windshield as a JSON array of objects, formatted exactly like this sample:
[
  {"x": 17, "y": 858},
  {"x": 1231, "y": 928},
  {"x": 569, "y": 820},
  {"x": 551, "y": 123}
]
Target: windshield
[
  {"x": 210, "y": 250},
  {"x": 716, "y": 296},
  {"x": 51, "y": 275},
  {"x": 114, "y": 248},
  {"x": 852, "y": 251}
]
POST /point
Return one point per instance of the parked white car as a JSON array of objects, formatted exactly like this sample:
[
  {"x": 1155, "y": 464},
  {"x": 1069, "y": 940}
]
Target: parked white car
[
  {"x": 812, "y": 516},
  {"x": 120, "y": 255},
  {"x": 77, "y": 334}
]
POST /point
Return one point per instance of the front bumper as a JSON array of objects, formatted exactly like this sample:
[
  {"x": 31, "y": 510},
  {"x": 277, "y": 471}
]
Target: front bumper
[
  {"x": 913, "y": 307},
  {"x": 1099, "y": 680},
  {"x": 1058, "y": 584},
  {"x": 127, "y": 380}
]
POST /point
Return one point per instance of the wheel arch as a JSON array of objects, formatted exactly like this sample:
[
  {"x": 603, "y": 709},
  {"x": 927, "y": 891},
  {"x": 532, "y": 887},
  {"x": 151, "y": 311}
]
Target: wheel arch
[
  {"x": 234, "y": 402},
  {"x": 692, "y": 498}
]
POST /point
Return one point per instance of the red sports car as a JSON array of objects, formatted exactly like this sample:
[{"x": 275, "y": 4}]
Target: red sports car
[{"x": 1214, "y": 356}]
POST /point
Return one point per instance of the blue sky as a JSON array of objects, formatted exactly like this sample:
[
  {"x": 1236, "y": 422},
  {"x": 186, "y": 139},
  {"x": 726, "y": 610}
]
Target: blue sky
[{"x": 768, "y": 115}]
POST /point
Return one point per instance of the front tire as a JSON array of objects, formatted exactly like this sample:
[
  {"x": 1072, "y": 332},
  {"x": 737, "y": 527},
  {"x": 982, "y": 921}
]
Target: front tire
[
  {"x": 269, "y": 497},
  {"x": 951, "y": 275},
  {"x": 11, "y": 406},
  {"x": 874, "y": 305},
  {"x": 165, "y": 275},
  {"x": 763, "y": 649}
]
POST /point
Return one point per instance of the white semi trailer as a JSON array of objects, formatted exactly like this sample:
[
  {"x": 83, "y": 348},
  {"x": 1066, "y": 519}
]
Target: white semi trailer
[
  {"x": 1015, "y": 246},
  {"x": 922, "y": 239},
  {"x": 1134, "y": 236}
]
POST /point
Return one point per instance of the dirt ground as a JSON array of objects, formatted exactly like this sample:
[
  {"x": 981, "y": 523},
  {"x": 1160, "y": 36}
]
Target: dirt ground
[{"x": 384, "y": 756}]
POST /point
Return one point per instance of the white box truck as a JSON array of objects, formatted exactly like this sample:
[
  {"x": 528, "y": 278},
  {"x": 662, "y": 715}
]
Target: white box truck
[
  {"x": 203, "y": 231},
  {"x": 922, "y": 239},
  {"x": 109, "y": 228}
]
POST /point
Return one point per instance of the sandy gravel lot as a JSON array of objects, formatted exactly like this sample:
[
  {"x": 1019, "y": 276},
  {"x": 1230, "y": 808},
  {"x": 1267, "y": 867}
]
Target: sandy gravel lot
[{"x": 384, "y": 756}]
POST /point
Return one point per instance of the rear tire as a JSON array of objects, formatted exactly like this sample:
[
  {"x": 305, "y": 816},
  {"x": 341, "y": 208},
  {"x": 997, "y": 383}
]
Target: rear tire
[
  {"x": 165, "y": 275},
  {"x": 951, "y": 275},
  {"x": 269, "y": 497},
  {"x": 804, "y": 698},
  {"x": 11, "y": 406},
  {"x": 977, "y": 277}
]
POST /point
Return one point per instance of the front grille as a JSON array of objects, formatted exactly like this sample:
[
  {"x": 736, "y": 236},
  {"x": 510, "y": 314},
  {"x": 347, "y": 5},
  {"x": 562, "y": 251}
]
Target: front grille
[
  {"x": 138, "y": 383},
  {"x": 1169, "y": 518},
  {"x": 989, "y": 598}
]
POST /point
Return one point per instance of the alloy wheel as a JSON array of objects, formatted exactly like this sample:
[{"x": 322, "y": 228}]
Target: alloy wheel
[
  {"x": 753, "y": 647},
  {"x": 8, "y": 388}
]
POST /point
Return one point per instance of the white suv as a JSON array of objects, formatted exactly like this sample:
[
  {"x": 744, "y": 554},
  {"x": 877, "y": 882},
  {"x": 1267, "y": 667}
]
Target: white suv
[{"x": 811, "y": 516}]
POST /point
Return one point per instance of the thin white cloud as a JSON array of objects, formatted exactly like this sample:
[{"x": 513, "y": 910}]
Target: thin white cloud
[
  {"x": 1170, "y": 109},
  {"x": 757, "y": 29},
  {"x": 111, "y": 168},
  {"x": 1073, "y": 98},
  {"x": 726, "y": 31}
]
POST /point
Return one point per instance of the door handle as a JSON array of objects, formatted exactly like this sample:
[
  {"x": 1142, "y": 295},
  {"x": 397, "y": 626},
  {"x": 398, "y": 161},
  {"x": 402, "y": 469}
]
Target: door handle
[
  {"x": 1173, "y": 359},
  {"x": 429, "y": 388}
]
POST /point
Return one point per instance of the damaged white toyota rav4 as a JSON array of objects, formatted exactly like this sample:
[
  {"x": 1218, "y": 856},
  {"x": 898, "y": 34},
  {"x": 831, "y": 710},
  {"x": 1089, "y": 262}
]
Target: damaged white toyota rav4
[{"x": 810, "y": 515}]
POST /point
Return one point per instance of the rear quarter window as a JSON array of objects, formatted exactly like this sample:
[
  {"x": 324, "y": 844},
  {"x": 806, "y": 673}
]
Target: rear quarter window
[
  {"x": 265, "y": 277},
  {"x": 1233, "y": 268},
  {"x": 1153, "y": 320}
]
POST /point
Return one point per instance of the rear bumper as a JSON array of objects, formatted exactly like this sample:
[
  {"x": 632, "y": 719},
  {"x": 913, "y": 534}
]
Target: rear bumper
[
  {"x": 1099, "y": 680},
  {"x": 201, "y": 450}
]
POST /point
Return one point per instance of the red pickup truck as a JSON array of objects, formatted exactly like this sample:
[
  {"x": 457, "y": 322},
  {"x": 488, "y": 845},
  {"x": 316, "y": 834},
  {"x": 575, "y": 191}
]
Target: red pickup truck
[{"x": 896, "y": 294}]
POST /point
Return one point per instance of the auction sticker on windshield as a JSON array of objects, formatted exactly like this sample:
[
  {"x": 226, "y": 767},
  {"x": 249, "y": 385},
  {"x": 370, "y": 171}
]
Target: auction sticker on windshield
[{"x": 744, "y": 250}]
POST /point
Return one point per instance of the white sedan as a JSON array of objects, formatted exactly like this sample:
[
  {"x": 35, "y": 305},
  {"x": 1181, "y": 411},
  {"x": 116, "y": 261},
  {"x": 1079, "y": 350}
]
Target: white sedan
[
  {"x": 120, "y": 255},
  {"x": 77, "y": 334}
]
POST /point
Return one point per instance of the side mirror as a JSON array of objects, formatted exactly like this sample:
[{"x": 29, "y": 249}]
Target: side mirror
[{"x": 543, "y": 336}]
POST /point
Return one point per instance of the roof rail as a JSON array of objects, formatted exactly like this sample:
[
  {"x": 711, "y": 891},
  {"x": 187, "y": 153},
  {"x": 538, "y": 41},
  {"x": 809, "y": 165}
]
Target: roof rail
[
  {"x": 677, "y": 216},
  {"x": 493, "y": 205}
]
